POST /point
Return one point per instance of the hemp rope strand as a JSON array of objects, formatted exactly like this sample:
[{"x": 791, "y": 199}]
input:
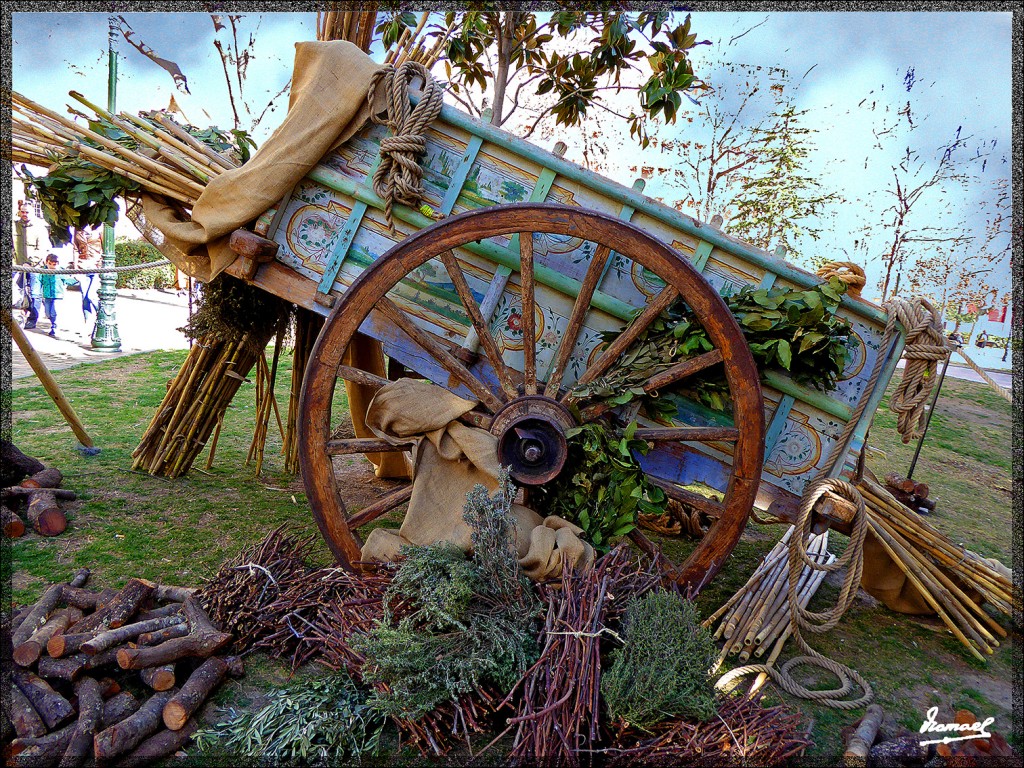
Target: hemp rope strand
[
  {"x": 84, "y": 271},
  {"x": 399, "y": 175},
  {"x": 921, "y": 320},
  {"x": 1003, "y": 391}
]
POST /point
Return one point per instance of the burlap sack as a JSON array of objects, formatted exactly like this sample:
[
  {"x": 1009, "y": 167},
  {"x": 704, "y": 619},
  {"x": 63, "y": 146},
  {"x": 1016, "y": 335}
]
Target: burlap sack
[
  {"x": 449, "y": 459},
  {"x": 328, "y": 105},
  {"x": 886, "y": 582}
]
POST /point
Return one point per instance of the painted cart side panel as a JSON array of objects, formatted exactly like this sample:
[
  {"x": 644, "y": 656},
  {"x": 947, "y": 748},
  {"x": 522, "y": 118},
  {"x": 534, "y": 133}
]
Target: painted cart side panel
[{"x": 332, "y": 227}]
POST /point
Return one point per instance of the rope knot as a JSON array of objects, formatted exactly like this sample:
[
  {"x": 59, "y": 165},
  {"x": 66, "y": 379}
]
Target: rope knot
[{"x": 398, "y": 176}]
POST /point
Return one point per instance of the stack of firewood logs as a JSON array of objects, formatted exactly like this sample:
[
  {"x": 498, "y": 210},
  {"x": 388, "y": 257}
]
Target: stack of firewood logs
[
  {"x": 74, "y": 656},
  {"x": 34, "y": 488},
  {"x": 910, "y": 493}
]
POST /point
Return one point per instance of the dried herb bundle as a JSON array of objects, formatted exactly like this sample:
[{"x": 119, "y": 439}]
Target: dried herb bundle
[
  {"x": 454, "y": 626},
  {"x": 228, "y": 308},
  {"x": 662, "y": 669}
]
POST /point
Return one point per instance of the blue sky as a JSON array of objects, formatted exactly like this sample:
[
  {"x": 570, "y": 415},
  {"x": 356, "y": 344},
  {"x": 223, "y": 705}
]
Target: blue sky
[{"x": 960, "y": 63}]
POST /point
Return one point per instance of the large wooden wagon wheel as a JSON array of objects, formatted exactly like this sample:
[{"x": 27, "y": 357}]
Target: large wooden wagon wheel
[{"x": 529, "y": 416}]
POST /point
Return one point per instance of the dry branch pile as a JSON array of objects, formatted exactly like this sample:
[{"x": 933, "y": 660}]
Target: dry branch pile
[{"x": 73, "y": 657}]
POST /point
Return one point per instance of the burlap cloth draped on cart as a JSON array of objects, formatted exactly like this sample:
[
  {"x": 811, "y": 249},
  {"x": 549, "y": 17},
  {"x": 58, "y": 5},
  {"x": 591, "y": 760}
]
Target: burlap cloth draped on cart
[
  {"x": 328, "y": 105},
  {"x": 448, "y": 460}
]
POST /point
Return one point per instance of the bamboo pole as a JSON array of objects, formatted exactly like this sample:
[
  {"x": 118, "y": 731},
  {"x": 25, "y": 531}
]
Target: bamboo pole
[
  {"x": 46, "y": 379},
  {"x": 214, "y": 157}
]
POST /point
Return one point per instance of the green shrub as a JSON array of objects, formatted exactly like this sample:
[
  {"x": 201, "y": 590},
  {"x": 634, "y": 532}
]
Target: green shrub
[
  {"x": 663, "y": 668},
  {"x": 131, "y": 252}
]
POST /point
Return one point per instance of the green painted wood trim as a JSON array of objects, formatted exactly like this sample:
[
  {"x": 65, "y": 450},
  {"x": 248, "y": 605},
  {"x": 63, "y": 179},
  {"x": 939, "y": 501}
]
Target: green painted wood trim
[
  {"x": 341, "y": 247},
  {"x": 664, "y": 213},
  {"x": 625, "y": 213},
  {"x": 701, "y": 254},
  {"x": 768, "y": 280},
  {"x": 545, "y": 180},
  {"x": 503, "y": 256},
  {"x": 777, "y": 424},
  {"x": 458, "y": 179},
  {"x": 812, "y": 397}
]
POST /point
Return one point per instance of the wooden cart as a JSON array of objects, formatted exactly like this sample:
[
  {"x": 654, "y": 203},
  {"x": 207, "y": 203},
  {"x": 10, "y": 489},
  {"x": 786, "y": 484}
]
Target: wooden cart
[{"x": 499, "y": 289}]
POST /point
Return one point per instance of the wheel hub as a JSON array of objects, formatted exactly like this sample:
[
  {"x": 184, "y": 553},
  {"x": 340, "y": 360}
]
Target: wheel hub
[{"x": 531, "y": 438}]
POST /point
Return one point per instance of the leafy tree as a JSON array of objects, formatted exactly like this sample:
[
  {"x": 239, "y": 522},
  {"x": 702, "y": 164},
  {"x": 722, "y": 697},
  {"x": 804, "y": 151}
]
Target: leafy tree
[{"x": 564, "y": 67}]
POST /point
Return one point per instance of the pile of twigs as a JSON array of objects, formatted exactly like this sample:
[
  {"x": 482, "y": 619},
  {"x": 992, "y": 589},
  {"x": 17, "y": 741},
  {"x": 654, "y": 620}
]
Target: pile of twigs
[
  {"x": 943, "y": 572},
  {"x": 560, "y": 714},
  {"x": 758, "y": 615},
  {"x": 744, "y": 733},
  {"x": 168, "y": 161}
]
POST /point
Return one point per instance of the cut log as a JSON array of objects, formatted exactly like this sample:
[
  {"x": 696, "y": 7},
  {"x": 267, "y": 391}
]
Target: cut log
[
  {"x": 118, "y": 707},
  {"x": 37, "y": 616},
  {"x": 928, "y": 504},
  {"x": 90, "y": 709},
  {"x": 167, "y": 633},
  {"x": 109, "y": 687},
  {"x": 202, "y": 641},
  {"x": 62, "y": 645},
  {"x": 48, "y": 477},
  {"x": 168, "y": 593},
  {"x": 51, "y": 706},
  {"x": 15, "y": 465},
  {"x": 921, "y": 490},
  {"x": 104, "y": 659},
  {"x": 111, "y": 637},
  {"x": 16, "y": 492},
  {"x": 160, "y": 745},
  {"x": 194, "y": 692},
  {"x": 40, "y": 751},
  {"x": 85, "y": 599},
  {"x": 65, "y": 668},
  {"x": 158, "y": 678},
  {"x": 235, "y": 666},
  {"x": 28, "y": 652},
  {"x": 13, "y": 526},
  {"x": 170, "y": 609},
  {"x": 900, "y": 483},
  {"x": 81, "y": 576},
  {"x": 47, "y": 518},
  {"x": 859, "y": 745},
  {"x": 904, "y": 751},
  {"x": 121, "y": 608},
  {"x": 23, "y": 716},
  {"x": 129, "y": 733}
]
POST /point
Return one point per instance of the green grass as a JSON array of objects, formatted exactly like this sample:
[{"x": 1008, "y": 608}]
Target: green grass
[{"x": 128, "y": 524}]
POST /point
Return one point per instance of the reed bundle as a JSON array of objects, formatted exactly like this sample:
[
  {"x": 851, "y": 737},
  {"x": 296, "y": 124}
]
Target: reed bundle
[
  {"x": 758, "y": 615},
  {"x": 943, "y": 572},
  {"x": 155, "y": 153}
]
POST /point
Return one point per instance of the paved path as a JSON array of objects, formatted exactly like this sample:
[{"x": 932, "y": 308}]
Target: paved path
[{"x": 147, "y": 320}]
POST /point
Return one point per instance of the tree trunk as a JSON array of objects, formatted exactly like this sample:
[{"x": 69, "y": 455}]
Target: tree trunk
[
  {"x": 191, "y": 696},
  {"x": 37, "y": 616},
  {"x": 51, "y": 706},
  {"x": 90, "y": 709},
  {"x": 23, "y": 716},
  {"x": 46, "y": 517},
  {"x": 15, "y": 465},
  {"x": 28, "y": 652},
  {"x": 117, "y": 612},
  {"x": 67, "y": 668},
  {"x": 161, "y": 635},
  {"x": 159, "y": 746},
  {"x": 118, "y": 707},
  {"x": 101, "y": 641},
  {"x": 167, "y": 593},
  {"x": 13, "y": 526},
  {"x": 130, "y": 732},
  {"x": 859, "y": 745},
  {"x": 44, "y": 750}
]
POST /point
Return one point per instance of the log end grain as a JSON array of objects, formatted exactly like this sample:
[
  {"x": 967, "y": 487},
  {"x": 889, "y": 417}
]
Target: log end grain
[{"x": 50, "y": 522}]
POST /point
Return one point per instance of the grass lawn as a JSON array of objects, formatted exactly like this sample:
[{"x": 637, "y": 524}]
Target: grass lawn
[{"x": 127, "y": 523}]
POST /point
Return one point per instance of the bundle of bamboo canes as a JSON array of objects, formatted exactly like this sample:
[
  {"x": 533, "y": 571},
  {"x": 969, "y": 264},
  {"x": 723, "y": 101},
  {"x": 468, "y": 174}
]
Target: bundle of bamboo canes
[
  {"x": 168, "y": 161},
  {"x": 943, "y": 572},
  {"x": 758, "y": 614}
]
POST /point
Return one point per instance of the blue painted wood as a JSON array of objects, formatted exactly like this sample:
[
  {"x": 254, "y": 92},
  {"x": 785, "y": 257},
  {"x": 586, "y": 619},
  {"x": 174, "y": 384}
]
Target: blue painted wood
[
  {"x": 341, "y": 246},
  {"x": 701, "y": 254},
  {"x": 768, "y": 280},
  {"x": 458, "y": 179},
  {"x": 625, "y": 213},
  {"x": 777, "y": 424}
]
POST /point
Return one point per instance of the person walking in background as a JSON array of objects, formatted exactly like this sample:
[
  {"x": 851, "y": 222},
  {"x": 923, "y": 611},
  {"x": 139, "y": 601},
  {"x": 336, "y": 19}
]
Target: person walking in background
[
  {"x": 31, "y": 292},
  {"x": 88, "y": 254},
  {"x": 53, "y": 286}
]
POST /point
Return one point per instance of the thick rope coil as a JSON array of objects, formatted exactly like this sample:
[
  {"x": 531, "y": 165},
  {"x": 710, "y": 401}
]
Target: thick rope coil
[
  {"x": 926, "y": 346},
  {"x": 847, "y": 272},
  {"x": 397, "y": 178},
  {"x": 91, "y": 271}
]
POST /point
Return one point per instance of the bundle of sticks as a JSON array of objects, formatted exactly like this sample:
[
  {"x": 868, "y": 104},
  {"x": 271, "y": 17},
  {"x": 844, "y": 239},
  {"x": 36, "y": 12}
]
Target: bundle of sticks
[
  {"x": 169, "y": 161},
  {"x": 943, "y": 572},
  {"x": 73, "y": 653},
  {"x": 758, "y": 615},
  {"x": 412, "y": 45}
]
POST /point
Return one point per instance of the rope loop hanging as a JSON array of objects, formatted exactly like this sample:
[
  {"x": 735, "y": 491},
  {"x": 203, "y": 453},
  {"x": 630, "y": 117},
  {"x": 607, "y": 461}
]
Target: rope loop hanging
[
  {"x": 846, "y": 271},
  {"x": 398, "y": 176}
]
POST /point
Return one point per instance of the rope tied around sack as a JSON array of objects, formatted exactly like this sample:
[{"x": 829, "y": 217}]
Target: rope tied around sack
[
  {"x": 398, "y": 177},
  {"x": 926, "y": 346}
]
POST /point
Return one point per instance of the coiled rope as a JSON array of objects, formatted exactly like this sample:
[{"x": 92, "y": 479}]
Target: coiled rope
[
  {"x": 84, "y": 271},
  {"x": 846, "y": 271},
  {"x": 923, "y": 325},
  {"x": 399, "y": 175}
]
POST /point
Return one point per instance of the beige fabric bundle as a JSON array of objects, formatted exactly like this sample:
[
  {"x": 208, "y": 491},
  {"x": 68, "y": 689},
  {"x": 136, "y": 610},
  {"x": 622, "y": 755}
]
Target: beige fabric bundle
[
  {"x": 328, "y": 106},
  {"x": 449, "y": 459}
]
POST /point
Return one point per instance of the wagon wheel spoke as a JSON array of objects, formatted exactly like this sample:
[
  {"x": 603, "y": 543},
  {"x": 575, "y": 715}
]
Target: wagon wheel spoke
[
  {"x": 575, "y": 325},
  {"x": 451, "y": 265},
  {"x": 712, "y": 507},
  {"x": 625, "y": 339},
  {"x": 451, "y": 364},
  {"x": 526, "y": 293},
  {"x": 380, "y": 507},
  {"x": 349, "y": 446},
  {"x": 358, "y": 376},
  {"x": 689, "y": 434},
  {"x": 681, "y": 370}
]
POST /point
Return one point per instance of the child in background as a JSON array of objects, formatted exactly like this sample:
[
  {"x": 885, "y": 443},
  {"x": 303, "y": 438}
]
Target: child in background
[{"x": 53, "y": 291}]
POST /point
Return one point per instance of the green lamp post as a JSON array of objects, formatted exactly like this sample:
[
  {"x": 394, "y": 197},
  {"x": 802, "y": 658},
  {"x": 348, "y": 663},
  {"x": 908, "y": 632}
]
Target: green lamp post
[{"x": 104, "y": 335}]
